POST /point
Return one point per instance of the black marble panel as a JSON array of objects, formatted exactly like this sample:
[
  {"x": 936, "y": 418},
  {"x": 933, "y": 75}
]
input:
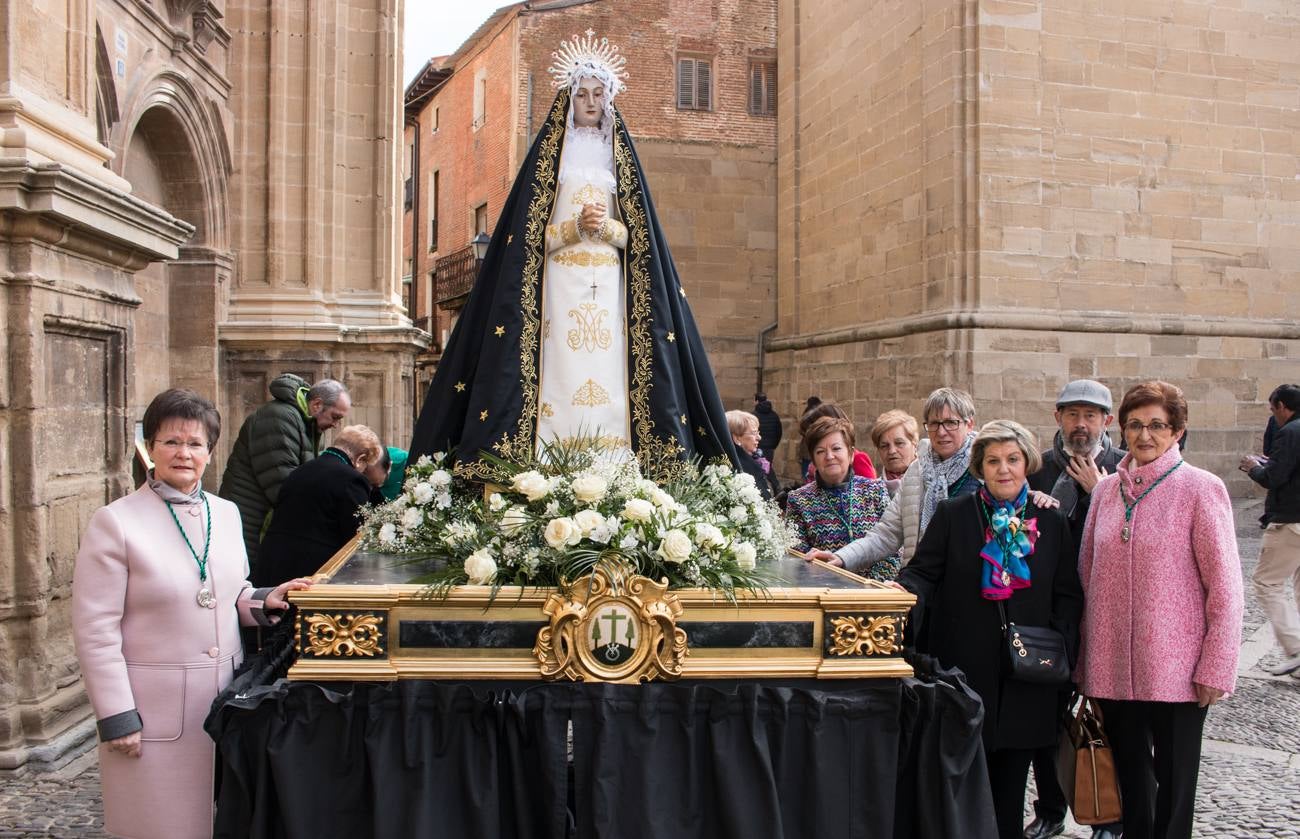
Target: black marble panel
[
  {"x": 751, "y": 634},
  {"x": 469, "y": 634}
]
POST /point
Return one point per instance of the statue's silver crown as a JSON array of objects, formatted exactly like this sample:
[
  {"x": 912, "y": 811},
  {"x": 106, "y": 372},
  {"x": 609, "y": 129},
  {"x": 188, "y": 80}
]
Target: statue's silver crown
[{"x": 587, "y": 56}]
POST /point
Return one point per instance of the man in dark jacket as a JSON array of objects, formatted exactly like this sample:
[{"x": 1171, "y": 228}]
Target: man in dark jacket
[
  {"x": 1081, "y": 454},
  {"x": 319, "y": 502},
  {"x": 769, "y": 426},
  {"x": 1279, "y": 553},
  {"x": 273, "y": 441}
]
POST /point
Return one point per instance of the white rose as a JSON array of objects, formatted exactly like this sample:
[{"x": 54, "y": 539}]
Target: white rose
[
  {"x": 412, "y": 517},
  {"x": 388, "y": 533},
  {"x": 589, "y": 489},
  {"x": 588, "y": 520},
  {"x": 514, "y": 519},
  {"x": 562, "y": 532},
  {"x": 675, "y": 546},
  {"x": 746, "y": 555},
  {"x": 496, "y": 503},
  {"x": 440, "y": 479},
  {"x": 423, "y": 492},
  {"x": 638, "y": 509},
  {"x": 708, "y": 536},
  {"x": 531, "y": 485},
  {"x": 481, "y": 567},
  {"x": 662, "y": 499}
]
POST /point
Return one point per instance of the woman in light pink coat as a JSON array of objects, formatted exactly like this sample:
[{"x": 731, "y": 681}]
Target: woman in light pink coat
[
  {"x": 158, "y": 594},
  {"x": 1163, "y": 608}
]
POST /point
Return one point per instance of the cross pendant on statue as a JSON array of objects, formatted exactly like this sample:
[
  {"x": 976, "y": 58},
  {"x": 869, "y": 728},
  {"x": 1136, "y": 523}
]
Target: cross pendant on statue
[{"x": 593, "y": 286}]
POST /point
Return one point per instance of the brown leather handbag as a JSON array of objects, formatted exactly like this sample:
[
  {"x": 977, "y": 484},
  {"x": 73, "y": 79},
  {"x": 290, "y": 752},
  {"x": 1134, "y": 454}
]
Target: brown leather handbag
[{"x": 1086, "y": 766}]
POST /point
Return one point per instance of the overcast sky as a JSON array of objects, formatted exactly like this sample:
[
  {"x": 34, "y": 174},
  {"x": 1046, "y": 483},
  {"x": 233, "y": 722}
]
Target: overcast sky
[{"x": 438, "y": 27}]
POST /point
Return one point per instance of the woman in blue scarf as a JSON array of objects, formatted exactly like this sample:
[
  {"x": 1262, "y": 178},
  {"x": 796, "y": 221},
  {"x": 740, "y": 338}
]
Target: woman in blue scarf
[{"x": 985, "y": 550}]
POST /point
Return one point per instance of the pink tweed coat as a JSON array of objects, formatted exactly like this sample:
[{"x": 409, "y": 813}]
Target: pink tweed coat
[
  {"x": 145, "y": 645},
  {"x": 1163, "y": 610}
]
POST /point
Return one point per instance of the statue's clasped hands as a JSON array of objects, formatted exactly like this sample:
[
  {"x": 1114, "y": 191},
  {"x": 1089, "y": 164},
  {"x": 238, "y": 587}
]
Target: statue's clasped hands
[{"x": 592, "y": 217}]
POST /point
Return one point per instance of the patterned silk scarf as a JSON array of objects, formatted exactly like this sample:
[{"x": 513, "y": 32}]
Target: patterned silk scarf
[
  {"x": 939, "y": 476},
  {"x": 1011, "y": 540}
]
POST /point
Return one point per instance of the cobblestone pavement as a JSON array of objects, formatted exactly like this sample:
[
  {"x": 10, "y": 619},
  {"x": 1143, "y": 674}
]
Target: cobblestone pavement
[{"x": 1250, "y": 768}]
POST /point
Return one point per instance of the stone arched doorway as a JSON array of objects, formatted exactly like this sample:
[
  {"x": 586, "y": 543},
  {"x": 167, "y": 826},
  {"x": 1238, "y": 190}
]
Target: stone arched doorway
[{"x": 174, "y": 340}]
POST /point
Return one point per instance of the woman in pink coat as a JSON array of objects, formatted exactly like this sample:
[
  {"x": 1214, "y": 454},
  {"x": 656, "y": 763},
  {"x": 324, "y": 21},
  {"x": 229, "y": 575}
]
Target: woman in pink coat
[
  {"x": 158, "y": 594},
  {"x": 1163, "y": 608}
]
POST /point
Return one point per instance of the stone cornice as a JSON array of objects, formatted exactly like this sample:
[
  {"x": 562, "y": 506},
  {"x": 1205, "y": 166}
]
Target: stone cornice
[
  {"x": 236, "y": 335},
  {"x": 88, "y": 211},
  {"x": 1043, "y": 321}
]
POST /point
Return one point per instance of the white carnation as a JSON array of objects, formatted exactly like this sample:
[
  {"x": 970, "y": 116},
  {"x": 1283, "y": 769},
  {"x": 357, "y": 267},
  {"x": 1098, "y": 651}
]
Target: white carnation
[
  {"x": 638, "y": 509},
  {"x": 412, "y": 517},
  {"x": 443, "y": 501},
  {"x": 675, "y": 546},
  {"x": 562, "y": 532},
  {"x": 589, "y": 489},
  {"x": 388, "y": 533},
  {"x": 423, "y": 492},
  {"x": 481, "y": 567},
  {"x": 440, "y": 479},
  {"x": 531, "y": 485},
  {"x": 738, "y": 514},
  {"x": 746, "y": 555}
]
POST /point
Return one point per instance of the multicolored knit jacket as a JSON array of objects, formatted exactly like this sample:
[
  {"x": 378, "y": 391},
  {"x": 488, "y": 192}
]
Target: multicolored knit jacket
[{"x": 819, "y": 513}]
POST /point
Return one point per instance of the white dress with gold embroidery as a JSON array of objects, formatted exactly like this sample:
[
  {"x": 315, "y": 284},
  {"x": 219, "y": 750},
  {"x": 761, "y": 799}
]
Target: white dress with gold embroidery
[{"x": 584, "y": 345}]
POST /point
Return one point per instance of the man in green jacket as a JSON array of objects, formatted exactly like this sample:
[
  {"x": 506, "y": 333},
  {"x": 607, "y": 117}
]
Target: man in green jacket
[{"x": 273, "y": 441}]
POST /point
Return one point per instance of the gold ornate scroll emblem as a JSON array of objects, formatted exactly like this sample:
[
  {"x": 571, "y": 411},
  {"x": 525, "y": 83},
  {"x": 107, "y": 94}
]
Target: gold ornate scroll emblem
[
  {"x": 591, "y": 395},
  {"x": 585, "y": 259},
  {"x": 590, "y": 333},
  {"x": 612, "y": 626},
  {"x": 589, "y": 194},
  {"x": 860, "y": 635},
  {"x": 341, "y": 635}
]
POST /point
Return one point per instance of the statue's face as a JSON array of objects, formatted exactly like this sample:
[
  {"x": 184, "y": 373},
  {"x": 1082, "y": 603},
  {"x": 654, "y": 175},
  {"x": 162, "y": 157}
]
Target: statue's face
[{"x": 588, "y": 103}]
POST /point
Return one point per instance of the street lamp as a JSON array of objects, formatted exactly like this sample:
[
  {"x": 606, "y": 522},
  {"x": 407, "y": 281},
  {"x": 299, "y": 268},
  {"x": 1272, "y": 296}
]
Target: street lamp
[{"x": 480, "y": 245}]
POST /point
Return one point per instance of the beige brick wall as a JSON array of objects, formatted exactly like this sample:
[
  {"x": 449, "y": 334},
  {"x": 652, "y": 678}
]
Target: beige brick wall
[{"x": 1006, "y": 196}]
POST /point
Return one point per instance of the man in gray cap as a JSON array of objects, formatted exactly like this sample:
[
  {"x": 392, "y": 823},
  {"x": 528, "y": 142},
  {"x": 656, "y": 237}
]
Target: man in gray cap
[{"x": 1081, "y": 454}]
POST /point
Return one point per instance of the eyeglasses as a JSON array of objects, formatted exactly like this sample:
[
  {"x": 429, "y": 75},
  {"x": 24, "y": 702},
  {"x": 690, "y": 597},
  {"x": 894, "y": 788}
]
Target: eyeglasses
[
  {"x": 1156, "y": 427},
  {"x": 174, "y": 446},
  {"x": 946, "y": 425}
]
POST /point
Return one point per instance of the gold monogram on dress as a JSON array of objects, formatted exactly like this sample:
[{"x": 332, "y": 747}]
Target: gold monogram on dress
[
  {"x": 589, "y": 334},
  {"x": 589, "y": 194},
  {"x": 585, "y": 259},
  {"x": 590, "y": 395}
]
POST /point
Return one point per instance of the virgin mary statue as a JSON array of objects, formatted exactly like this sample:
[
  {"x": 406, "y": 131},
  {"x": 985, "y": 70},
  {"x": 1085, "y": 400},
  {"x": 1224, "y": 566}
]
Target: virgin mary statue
[{"x": 577, "y": 327}]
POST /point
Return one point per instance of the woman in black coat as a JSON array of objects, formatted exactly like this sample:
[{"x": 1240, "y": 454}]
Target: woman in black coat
[
  {"x": 970, "y": 559},
  {"x": 317, "y": 511}
]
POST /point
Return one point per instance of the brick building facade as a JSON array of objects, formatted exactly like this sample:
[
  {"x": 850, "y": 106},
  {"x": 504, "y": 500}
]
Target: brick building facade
[
  {"x": 1006, "y": 195},
  {"x": 711, "y": 165}
]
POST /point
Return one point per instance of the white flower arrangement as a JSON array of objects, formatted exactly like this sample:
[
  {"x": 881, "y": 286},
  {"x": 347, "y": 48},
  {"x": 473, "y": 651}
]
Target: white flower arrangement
[{"x": 553, "y": 520}]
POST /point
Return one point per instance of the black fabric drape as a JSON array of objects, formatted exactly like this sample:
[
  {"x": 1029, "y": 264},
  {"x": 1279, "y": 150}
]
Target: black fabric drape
[
  {"x": 732, "y": 759},
  {"x": 484, "y": 395},
  {"x": 943, "y": 779},
  {"x": 670, "y": 761}
]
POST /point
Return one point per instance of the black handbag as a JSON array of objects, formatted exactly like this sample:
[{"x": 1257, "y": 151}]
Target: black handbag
[{"x": 1036, "y": 653}]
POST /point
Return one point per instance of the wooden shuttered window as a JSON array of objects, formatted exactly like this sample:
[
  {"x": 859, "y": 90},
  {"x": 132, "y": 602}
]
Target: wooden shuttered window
[
  {"x": 694, "y": 84},
  {"x": 762, "y": 88}
]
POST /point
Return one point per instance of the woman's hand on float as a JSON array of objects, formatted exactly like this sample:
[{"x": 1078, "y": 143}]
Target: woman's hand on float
[
  {"x": 1042, "y": 500},
  {"x": 825, "y": 556},
  {"x": 276, "y": 599},
  {"x": 593, "y": 216},
  {"x": 1206, "y": 695},
  {"x": 128, "y": 745}
]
